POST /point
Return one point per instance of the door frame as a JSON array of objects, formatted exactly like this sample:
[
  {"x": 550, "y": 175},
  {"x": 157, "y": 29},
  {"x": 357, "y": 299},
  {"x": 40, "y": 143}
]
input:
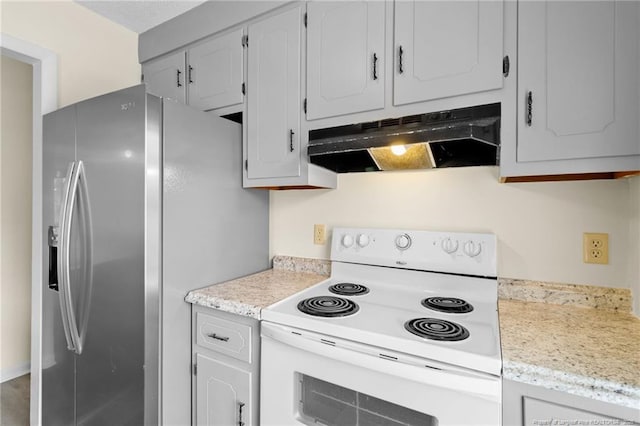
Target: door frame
[{"x": 45, "y": 99}]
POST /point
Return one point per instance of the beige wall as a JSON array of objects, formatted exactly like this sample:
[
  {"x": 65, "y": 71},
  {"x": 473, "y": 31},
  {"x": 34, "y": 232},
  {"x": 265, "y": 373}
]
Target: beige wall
[
  {"x": 15, "y": 214},
  {"x": 539, "y": 225},
  {"x": 634, "y": 235},
  {"x": 95, "y": 55}
]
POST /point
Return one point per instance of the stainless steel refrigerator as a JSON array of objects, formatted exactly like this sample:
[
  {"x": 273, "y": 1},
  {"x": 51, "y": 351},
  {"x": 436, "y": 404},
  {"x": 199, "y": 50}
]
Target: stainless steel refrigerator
[{"x": 142, "y": 202}]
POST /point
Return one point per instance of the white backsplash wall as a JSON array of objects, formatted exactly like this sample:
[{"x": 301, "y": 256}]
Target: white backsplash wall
[{"x": 539, "y": 225}]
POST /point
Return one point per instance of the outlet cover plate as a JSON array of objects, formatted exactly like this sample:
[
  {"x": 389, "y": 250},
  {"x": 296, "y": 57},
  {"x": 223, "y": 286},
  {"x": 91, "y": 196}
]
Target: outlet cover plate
[
  {"x": 595, "y": 248},
  {"x": 319, "y": 234}
]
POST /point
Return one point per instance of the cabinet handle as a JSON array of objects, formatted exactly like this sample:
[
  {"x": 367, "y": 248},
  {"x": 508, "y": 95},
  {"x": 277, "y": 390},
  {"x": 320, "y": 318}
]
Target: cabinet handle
[
  {"x": 215, "y": 336},
  {"x": 178, "y": 78},
  {"x": 400, "y": 53},
  {"x": 375, "y": 66},
  {"x": 529, "y": 108},
  {"x": 189, "y": 74},
  {"x": 291, "y": 133},
  {"x": 240, "y": 407}
]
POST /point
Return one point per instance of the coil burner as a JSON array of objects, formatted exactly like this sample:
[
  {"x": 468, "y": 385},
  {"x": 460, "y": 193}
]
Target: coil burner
[
  {"x": 436, "y": 329},
  {"x": 328, "y": 306},
  {"x": 449, "y": 305},
  {"x": 348, "y": 289}
]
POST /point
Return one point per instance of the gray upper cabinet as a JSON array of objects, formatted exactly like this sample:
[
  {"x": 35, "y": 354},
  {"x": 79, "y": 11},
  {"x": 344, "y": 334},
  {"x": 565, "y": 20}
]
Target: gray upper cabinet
[
  {"x": 274, "y": 96},
  {"x": 166, "y": 77},
  {"x": 446, "y": 48},
  {"x": 578, "y": 80},
  {"x": 215, "y": 72},
  {"x": 574, "y": 110},
  {"x": 207, "y": 76},
  {"x": 345, "y": 57}
]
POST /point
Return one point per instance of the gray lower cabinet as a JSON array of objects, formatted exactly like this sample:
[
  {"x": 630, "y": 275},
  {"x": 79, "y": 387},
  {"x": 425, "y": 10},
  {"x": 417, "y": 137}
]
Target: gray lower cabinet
[
  {"x": 226, "y": 350},
  {"x": 528, "y": 405}
]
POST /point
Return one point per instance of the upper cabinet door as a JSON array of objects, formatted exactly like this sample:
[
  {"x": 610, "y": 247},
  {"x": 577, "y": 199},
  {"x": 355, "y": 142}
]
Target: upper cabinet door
[
  {"x": 166, "y": 77},
  {"x": 345, "y": 57},
  {"x": 273, "y": 96},
  {"x": 446, "y": 48},
  {"x": 215, "y": 74},
  {"x": 578, "y": 84}
]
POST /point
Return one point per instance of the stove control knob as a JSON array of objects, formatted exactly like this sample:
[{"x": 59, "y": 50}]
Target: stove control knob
[
  {"x": 471, "y": 248},
  {"x": 363, "y": 240},
  {"x": 347, "y": 241},
  {"x": 403, "y": 241},
  {"x": 450, "y": 246}
]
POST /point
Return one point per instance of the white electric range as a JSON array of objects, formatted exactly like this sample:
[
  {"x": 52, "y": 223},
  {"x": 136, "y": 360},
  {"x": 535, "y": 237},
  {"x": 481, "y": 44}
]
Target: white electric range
[{"x": 405, "y": 330}]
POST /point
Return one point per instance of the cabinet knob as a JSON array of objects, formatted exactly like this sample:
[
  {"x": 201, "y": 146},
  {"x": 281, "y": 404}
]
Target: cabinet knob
[
  {"x": 178, "y": 78},
  {"x": 189, "y": 74},
  {"x": 400, "y": 53}
]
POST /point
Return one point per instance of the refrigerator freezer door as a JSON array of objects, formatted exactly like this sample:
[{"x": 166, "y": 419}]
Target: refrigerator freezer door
[
  {"x": 110, "y": 370},
  {"x": 58, "y": 363},
  {"x": 213, "y": 231}
]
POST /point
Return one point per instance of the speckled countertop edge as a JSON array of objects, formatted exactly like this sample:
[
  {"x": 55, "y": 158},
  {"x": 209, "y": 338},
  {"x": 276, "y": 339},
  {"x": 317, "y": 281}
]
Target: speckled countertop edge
[
  {"x": 248, "y": 295},
  {"x": 199, "y": 297},
  {"x": 589, "y": 387}
]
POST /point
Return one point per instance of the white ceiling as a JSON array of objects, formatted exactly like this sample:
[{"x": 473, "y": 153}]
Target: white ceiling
[{"x": 139, "y": 15}]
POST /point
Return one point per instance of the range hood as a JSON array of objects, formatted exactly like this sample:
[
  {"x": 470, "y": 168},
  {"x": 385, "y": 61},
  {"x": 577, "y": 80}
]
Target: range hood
[{"x": 452, "y": 138}]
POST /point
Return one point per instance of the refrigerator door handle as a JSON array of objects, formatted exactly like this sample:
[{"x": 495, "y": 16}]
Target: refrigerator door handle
[
  {"x": 77, "y": 178},
  {"x": 88, "y": 255},
  {"x": 63, "y": 258}
]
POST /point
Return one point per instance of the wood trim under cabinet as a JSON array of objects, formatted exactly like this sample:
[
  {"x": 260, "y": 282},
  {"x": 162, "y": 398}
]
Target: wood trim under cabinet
[
  {"x": 567, "y": 177},
  {"x": 285, "y": 188}
]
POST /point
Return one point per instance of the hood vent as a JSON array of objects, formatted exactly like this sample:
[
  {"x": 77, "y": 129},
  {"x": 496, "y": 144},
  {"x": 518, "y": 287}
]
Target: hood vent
[{"x": 453, "y": 138}]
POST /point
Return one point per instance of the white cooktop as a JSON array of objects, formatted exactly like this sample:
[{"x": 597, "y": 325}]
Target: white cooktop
[{"x": 395, "y": 294}]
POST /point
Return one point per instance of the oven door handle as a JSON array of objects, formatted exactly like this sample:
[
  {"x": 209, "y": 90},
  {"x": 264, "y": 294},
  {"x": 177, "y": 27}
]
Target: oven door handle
[{"x": 412, "y": 368}]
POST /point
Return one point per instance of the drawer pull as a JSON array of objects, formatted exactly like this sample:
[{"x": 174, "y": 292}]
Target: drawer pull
[{"x": 215, "y": 336}]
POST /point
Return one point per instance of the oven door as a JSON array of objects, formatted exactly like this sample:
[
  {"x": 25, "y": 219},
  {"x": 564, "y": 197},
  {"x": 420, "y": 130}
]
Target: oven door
[{"x": 308, "y": 378}]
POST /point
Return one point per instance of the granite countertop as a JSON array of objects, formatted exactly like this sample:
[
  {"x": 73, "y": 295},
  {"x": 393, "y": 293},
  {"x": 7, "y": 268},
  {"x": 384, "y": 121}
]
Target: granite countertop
[
  {"x": 577, "y": 339},
  {"x": 584, "y": 351},
  {"x": 248, "y": 295}
]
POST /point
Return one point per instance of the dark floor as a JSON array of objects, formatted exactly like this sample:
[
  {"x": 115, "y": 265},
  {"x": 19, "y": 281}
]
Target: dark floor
[{"x": 14, "y": 395}]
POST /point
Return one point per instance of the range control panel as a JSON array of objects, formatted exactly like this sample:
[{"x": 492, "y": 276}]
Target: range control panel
[{"x": 453, "y": 252}]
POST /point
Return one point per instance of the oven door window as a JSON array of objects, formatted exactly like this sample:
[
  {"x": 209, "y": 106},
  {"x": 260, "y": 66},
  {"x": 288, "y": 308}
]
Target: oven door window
[{"x": 332, "y": 405}]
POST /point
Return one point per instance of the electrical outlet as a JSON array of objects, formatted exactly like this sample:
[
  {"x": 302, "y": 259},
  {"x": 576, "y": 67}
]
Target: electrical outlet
[
  {"x": 595, "y": 248},
  {"x": 319, "y": 234}
]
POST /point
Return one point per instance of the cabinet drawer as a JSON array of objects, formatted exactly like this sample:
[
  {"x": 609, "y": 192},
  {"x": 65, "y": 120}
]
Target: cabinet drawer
[
  {"x": 538, "y": 412},
  {"x": 226, "y": 337}
]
